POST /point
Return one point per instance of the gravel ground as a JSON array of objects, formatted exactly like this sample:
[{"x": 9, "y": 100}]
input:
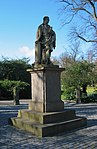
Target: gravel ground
[{"x": 84, "y": 138}]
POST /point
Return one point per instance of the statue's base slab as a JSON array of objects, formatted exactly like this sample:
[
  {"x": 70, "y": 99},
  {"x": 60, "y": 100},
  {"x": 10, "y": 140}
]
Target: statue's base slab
[
  {"x": 46, "y": 107},
  {"x": 47, "y": 124}
]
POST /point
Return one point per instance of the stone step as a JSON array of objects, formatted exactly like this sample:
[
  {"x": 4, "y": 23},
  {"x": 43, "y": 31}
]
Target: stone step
[
  {"x": 43, "y": 130},
  {"x": 45, "y": 118}
]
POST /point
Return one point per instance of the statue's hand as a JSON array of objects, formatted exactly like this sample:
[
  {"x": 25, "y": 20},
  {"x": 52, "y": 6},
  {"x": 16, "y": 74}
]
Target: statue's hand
[{"x": 36, "y": 41}]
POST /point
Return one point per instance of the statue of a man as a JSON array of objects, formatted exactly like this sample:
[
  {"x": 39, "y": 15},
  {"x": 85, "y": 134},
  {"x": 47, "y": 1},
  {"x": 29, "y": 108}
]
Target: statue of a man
[{"x": 45, "y": 42}]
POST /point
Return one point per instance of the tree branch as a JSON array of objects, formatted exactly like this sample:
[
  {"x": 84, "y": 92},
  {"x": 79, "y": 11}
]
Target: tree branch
[
  {"x": 69, "y": 20},
  {"x": 64, "y": 1},
  {"x": 81, "y": 8},
  {"x": 94, "y": 9},
  {"x": 86, "y": 39}
]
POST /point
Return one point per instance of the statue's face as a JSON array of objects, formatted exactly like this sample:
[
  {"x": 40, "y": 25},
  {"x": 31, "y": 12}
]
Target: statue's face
[{"x": 46, "y": 21}]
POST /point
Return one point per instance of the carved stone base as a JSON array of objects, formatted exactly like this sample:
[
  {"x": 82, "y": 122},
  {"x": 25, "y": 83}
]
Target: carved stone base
[
  {"x": 46, "y": 115},
  {"x": 47, "y": 124},
  {"x": 46, "y": 107},
  {"x": 46, "y": 89}
]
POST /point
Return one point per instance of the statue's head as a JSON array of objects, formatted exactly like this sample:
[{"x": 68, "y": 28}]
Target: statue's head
[{"x": 46, "y": 20}]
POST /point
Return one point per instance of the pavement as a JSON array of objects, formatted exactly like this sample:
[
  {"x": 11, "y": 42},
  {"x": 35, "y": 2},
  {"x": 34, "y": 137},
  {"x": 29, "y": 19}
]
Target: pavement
[{"x": 84, "y": 138}]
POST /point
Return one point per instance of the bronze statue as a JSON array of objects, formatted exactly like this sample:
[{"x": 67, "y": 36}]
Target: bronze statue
[{"x": 45, "y": 42}]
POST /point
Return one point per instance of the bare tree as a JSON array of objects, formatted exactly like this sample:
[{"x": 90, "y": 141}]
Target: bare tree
[
  {"x": 86, "y": 10},
  {"x": 75, "y": 52},
  {"x": 92, "y": 55},
  {"x": 69, "y": 56}
]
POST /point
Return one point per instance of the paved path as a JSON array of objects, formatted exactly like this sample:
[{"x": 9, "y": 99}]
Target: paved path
[{"x": 86, "y": 138}]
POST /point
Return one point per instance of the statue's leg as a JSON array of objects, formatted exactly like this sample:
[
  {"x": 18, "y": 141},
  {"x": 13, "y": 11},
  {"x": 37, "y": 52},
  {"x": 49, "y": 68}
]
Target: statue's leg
[
  {"x": 48, "y": 56},
  {"x": 38, "y": 53},
  {"x": 44, "y": 56}
]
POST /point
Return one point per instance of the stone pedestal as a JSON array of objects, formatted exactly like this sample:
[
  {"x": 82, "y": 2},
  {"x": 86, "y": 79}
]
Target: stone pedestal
[
  {"x": 46, "y": 89},
  {"x": 46, "y": 115}
]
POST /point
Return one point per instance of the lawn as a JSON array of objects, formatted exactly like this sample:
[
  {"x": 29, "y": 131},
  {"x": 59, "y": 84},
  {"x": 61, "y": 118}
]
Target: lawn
[{"x": 91, "y": 90}]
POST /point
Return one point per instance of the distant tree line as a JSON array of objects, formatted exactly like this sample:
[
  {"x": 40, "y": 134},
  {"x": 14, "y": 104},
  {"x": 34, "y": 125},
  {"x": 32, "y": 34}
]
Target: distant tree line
[
  {"x": 79, "y": 73},
  {"x": 13, "y": 75}
]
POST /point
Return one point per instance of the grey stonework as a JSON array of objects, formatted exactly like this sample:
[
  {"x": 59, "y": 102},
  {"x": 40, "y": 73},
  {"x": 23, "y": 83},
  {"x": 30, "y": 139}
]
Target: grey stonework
[{"x": 13, "y": 138}]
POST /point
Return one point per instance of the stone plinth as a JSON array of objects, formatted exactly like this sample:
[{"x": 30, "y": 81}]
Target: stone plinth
[
  {"x": 46, "y": 115},
  {"x": 46, "y": 89},
  {"x": 47, "y": 124}
]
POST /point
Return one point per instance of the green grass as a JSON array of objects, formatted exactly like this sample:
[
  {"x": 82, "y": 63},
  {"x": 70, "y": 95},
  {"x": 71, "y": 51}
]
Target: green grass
[{"x": 91, "y": 90}]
